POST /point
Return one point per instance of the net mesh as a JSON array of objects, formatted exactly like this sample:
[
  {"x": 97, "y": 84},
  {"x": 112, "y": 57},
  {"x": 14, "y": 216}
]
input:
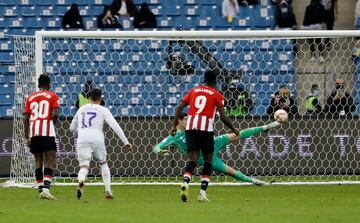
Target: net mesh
[
  {"x": 22, "y": 162},
  {"x": 143, "y": 79}
]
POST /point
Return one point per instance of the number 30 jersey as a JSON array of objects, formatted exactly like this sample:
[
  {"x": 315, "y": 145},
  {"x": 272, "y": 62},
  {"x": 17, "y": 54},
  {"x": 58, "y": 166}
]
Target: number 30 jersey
[
  {"x": 89, "y": 122},
  {"x": 202, "y": 101},
  {"x": 39, "y": 105}
]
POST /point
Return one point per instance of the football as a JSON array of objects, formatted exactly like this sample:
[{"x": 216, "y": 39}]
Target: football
[{"x": 281, "y": 116}]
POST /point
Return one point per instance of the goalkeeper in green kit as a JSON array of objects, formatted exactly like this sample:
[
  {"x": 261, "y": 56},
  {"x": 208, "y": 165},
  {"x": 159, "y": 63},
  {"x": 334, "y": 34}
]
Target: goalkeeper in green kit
[{"x": 179, "y": 142}]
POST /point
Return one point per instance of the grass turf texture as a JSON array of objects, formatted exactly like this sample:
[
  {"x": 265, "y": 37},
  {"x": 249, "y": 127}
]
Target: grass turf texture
[{"x": 331, "y": 203}]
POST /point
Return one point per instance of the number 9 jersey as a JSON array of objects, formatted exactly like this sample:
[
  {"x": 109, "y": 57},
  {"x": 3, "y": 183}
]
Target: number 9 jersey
[
  {"x": 40, "y": 106},
  {"x": 202, "y": 101}
]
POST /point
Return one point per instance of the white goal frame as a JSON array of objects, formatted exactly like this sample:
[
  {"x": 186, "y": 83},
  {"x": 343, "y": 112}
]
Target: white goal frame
[{"x": 190, "y": 35}]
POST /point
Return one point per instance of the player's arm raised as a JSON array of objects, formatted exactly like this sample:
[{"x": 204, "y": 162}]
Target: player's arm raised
[
  {"x": 226, "y": 120},
  {"x": 110, "y": 120}
]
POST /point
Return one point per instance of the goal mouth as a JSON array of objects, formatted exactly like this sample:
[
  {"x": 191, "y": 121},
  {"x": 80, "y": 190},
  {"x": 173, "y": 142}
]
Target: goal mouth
[{"x": 142, "y": 89}]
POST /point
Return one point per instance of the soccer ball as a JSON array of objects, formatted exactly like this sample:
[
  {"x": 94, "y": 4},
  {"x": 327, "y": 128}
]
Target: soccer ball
[{"x": 281, "y": 115}]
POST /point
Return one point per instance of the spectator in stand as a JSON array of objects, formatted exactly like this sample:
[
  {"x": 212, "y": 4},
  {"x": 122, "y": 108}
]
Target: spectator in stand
[
  {"x": 83, "y": 97},
  {"x": 238, "y": 100},
  {"x": 357, "y": 12},
  {"x": 123, "y": 8},
  {"x": 283, "y": 100},
  {"x": 107, "y": 21},
  {"x": 331, "y": 12},
  {"x": 312, "y": 104},
  {"x": 247, "y": 2},
  {"x": 285, "y": 18},
  {"x": 315, "y": 19},
  {"x": 145, "y": 18},
  {"x": 230, "y": 8},
  {"x": 72, "y": 18},
  {"x": 339, "y": 102}
]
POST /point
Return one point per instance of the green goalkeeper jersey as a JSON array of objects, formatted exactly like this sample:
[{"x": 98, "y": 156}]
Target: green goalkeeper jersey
[{"x": 179, "y": 142}]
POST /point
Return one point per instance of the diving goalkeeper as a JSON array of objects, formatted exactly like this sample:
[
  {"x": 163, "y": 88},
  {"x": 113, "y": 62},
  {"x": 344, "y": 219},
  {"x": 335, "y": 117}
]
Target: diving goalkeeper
[{"x": 179, "y": 142}]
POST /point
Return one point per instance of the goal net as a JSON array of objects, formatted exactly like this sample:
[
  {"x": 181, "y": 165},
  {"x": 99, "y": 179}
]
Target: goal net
[{"x": 144, "y": 75}]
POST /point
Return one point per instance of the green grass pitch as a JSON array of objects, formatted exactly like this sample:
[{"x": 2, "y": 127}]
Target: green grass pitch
[{"x": 145, "y": 204}]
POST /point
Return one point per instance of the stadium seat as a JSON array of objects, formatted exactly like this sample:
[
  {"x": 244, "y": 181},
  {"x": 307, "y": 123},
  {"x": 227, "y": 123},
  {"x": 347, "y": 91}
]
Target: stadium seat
[
  {"x": 3, "y": 79},
  {"x": 6, "y": 88},
  {"x": 27, "y": 10},
  {"x": 245, "y": 11},
  {"x": 182, "y": 22},
  {"x": 157, "y": 11},
  {"x": 165, "y": 23},
  {"x": 264, "y": 45},
  {"x": 208, "y": 2},
  {"x": 25, "y": 2},
  {"x": 209, "y": 11},
  {"x": 6, "y": 111},
  {"x": 222, "y": 23},
  {"x": 7, "y": 3},
  {"x": 33, "y": 22},
  {"x": 191, "y": 10},
  {"x": 242, "y": 22},
  {"x": 5, "y": 100},
  {"x": 10, "y": 11},
  {"x": 126, "y": 23},
  {"x": 45, "y": 10},
  {"x": 14, "y": 22},
  {"x": 6, "y": 56},
  {"x": 153, "y": 2},
  {"x": 173, "y": 9},
  {"x": 6, "y": 45},
  {"x": 283, "y": 44},
  {"x": 191, "y": 2},
  {"x": 52, "y": 23},
  {"x": 204, "y": 23}
]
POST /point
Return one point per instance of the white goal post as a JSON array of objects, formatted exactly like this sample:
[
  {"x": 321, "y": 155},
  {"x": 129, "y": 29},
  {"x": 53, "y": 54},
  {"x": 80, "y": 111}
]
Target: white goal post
[{"x": 144, "y": 74}]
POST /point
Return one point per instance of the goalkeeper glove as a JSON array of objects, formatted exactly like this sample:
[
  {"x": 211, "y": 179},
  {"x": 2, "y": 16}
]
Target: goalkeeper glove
[{"x": 161, "y": 152}]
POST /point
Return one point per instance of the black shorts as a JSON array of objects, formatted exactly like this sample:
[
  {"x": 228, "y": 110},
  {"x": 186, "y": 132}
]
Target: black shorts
[
  {"x": 41, "y": 144},
  {"x": 200, "y": 140}
]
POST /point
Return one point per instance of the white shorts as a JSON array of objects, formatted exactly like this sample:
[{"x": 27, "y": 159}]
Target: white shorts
[{"x": 85, "y": 151}]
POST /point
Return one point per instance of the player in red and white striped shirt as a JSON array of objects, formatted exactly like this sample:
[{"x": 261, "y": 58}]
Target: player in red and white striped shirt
[
  {"x": 40, "y": 116},
  {"x": 203, "y": 103}
]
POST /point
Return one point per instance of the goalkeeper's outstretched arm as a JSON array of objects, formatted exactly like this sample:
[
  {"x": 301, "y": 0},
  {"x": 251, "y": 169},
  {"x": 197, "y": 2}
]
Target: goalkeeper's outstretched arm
[{"x": 161, "y": 148}]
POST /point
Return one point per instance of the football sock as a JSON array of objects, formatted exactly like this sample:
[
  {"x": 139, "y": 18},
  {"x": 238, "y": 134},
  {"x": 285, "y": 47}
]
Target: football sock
[
  {"x": 246, "y": 133},
  {"x": 105, "y": 173},
  {"x": 39, "y": 178},
  {"x": 83, "y": 172},
  {"x": 189, "y": 169},
  {"x": 205, "y": 176},
  {"x": 242, "y": 177},
  {"x": 48, "y": 175}
]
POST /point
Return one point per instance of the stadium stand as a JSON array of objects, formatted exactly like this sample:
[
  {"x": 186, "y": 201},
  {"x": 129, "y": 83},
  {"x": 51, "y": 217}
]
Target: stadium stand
[{"x": 138, "y": 73}]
